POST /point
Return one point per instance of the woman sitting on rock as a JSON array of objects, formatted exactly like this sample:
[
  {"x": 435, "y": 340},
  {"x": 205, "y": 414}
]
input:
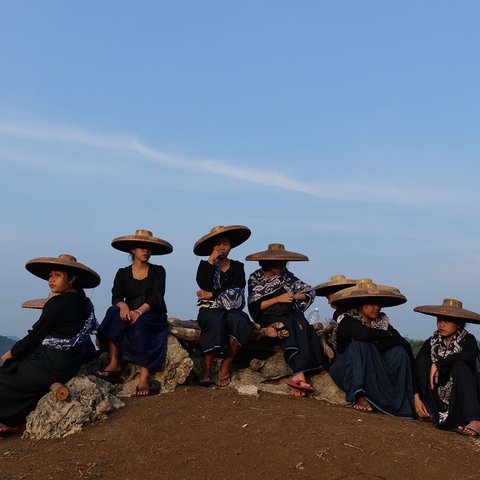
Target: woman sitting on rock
[
  {"x": 53, "y": 350},
  {"x": 276, "y": 295},
  {"x": 374, "y": 363},
  {"x": 224, "y": 326},
  {"x": 447, "y": 380},
  {"x": 136, "y": 325}
]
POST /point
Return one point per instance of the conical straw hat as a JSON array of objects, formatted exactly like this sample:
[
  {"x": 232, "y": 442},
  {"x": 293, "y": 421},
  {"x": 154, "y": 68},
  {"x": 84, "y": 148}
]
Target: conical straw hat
[
  {"x": 336, "y": 283},
  {"x": 449, "y": 308},
  {"x": 142, "y": 238},
  {"x": 237, "y": 234},
  {"x": 276, "y": 251}
]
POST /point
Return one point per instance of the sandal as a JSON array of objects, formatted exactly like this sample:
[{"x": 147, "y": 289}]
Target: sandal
[
  {"x": 223, "y": 381},
  {"x": 6, "y": 431},
  {"x": 467, "y": 431},
  {"x": 306, "y": 387},
  {"x": 152, "y": 389},
  {"x": 205, "y": 381},
  {"x": 109, "y": 375}
]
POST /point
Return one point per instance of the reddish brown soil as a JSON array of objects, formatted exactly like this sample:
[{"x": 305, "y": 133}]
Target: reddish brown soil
[{"x": 211, "y": 434}]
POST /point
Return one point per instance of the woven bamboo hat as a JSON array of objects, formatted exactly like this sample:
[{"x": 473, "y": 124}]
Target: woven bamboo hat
[
  {"x": 38, "y": 303},
  {"x": 142, "y": 238},
  {"x": 367, "y": 292},
  {"x": 336, "y": 283},
  {"x": 450, "y": 308},
  {"x": 276, "y": 251},
  {"x": 42, "y": 266},
  {"x": 237, "y": 234}
]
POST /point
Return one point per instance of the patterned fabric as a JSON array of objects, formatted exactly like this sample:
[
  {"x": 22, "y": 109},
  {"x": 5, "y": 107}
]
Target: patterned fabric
[
  {"x": 380, "y": 323},
  {"x": 439, "y": 349},
  {"x": 89, "y": 327},
  {"x": 259, "y": 286},
  {"x": 231, "y": 299}
]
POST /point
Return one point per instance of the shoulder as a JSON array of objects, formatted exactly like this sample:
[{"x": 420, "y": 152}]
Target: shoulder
[
  {"x": 156, "y": 269},
  {"x": 236, "y": 264},
  {"x": 256, "y": 274}
]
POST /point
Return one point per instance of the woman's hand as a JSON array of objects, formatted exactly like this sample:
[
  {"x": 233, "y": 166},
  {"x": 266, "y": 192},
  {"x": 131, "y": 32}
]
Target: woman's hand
[
  {"x": 299, "y": 296},
  {"x": 134, "y": 315},
  {"x": 433, "y": 375},
  {"x": 285, "y": 298},
  {"x": 6, "y": 356},
  {"x": 420, "y": 407},
  {"x": 204, "y": 295},
  {"x": 124, "y": 311},
  {"x": 214, "y": 255}
]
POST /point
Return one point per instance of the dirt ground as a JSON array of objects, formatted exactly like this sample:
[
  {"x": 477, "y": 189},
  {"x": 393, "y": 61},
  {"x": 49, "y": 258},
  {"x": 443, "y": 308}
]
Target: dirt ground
[{"x": 209, "y": 434}]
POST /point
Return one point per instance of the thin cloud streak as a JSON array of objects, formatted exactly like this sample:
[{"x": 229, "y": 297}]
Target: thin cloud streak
[{"x": 131, "y": 144}]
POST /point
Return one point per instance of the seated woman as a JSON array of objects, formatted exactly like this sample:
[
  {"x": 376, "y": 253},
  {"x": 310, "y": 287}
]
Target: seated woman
[
  {"x": 374, "y": 363},
  {"x": 221, "y": 298},
  {"x": 276, "y": 295},
  {"x": 53, "y": 349},
  {"x": 136, "y": 325},
  {"x": 334, "y": 285},
  {"x": 447, "y": 380}
]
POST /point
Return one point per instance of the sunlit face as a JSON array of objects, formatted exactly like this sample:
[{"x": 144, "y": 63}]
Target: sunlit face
[
  {"x": 370, "y": 312},
  {"x": 141, "y": 254},
  {"x": 446, "y": 327},
  {"x": 59, "y": 281},
  {"x": 223, "y": 247}
]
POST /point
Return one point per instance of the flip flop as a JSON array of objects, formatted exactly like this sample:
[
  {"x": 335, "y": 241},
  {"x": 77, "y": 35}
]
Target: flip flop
[
  {"x": 468, "y": 432},
  {"x": 109, "y": 376},
  {"x": 224, "y": 379},
  {"x": 6, "y": 431},
  {"x": 303, "y": 388},
  {"x": 205, "y": 381},
  {"x": 153, "y": 389}
]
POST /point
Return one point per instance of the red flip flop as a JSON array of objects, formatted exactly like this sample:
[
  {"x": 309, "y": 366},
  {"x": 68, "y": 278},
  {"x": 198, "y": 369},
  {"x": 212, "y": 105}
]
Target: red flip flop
[{"x": 303, "y": 388}]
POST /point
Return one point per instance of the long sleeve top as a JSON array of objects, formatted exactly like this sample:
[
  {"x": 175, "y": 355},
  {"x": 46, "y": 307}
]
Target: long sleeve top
[
  {"x": 134, "y": 293},
  {"x": 234, "y": 277},
  {"x": 63, "y": 316}
]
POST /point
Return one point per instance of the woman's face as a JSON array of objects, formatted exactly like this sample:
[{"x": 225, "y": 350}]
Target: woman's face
[
  {"x": 370, "y": 312},
  {"x": 446, "y": 328},
  {"x": 223, "y": 247},
  {"x": 141, "y": 254},
  {"x": 59, "y": 281},
  {"x": 276, "y": 267}
]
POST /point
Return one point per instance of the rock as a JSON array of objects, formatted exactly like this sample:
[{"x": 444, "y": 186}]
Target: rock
[
  {"x": 178, "y": 366},
  {"x": 90, "y": 400},
  {"x": 327, "y": 389},
  {"x": 275, "y": 367},
  {"x": 278, "y": 387}
]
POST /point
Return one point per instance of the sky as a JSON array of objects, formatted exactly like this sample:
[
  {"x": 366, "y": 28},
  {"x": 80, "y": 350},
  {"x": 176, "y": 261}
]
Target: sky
[{"x": 349, "y": 131}]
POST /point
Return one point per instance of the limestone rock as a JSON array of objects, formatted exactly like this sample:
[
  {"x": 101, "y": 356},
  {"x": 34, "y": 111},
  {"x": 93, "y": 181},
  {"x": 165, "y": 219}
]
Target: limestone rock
[
  {"x": 275, "y": 367},
  {"x": 178, "y": 366},
  {"x": 90, "y": 400},
  {"x": 327, "y": 389}
]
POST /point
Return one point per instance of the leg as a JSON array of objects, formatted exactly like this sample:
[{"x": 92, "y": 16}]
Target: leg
[
  {"x": 206, "y": 379},
  {"x": 143, "y": 388},
  {"x": 113, "y": 366},
  {"x": 224, "y": 376}
]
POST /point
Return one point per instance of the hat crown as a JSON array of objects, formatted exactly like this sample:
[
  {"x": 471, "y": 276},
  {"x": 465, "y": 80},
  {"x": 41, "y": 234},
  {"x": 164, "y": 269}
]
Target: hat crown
[
  {"x": 367, "y": 284},
  {"x": 66, "y": 256},
  {"x": 143, "y": 233},
  {"x": 276, "y": 247},
  {"x": 219, "y": 228},
  {"x": 337, "y": 278},
  {"x": 452, "y": 302}
]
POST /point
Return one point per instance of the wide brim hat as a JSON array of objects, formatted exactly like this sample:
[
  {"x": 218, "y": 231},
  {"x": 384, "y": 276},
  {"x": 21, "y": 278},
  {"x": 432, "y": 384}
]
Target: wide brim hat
[
  {"x": 42, "y": 266},
  {"x": 367, "y": 292},
  {"x": 142, "y": 238},
  {"x": 336, "y": 283},
  {"x": 38, "y": 303},
  {"x": 277, "y": 252},
  {"x": 237, "y": 234},
  {"x": 451, "y": 308}
]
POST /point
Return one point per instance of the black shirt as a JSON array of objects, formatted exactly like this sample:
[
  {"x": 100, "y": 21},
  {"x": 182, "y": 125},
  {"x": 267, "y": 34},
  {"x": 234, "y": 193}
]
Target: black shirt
[
  {"x": 134, "y": 293},
  {"x": 234, "y": 277},
  {"x": 63, "y": 316}
]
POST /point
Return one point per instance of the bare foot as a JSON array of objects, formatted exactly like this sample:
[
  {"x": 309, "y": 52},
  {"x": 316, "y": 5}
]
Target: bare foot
[
  {"x": 223, "y": 380},
  {"x": 362, "y": 405}
]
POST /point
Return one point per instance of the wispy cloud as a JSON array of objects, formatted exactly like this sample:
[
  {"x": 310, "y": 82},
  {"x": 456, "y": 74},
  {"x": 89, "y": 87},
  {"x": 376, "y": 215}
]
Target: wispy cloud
[{"x": 132, "y": 145}]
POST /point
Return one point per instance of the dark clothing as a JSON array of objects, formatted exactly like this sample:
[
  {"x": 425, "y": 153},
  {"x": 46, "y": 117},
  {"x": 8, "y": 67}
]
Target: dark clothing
[
  {"x": 28, "y": 375},
  {"x": 234, "y": 277},
  {"x": 302, "y": 349},
  {"x": 144, "y": 342},
  {"x": 464, "y": 399},
  {"x": 376, "y": 364},
  {"x": 134, "y": 293},
  {"x": 384, "y": 378},
  {"x": 219, "y": 324}
]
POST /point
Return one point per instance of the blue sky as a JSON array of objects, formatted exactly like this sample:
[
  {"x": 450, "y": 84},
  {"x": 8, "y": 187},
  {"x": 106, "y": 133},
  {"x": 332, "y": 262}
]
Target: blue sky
[{"x": 349, "y": 131}]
